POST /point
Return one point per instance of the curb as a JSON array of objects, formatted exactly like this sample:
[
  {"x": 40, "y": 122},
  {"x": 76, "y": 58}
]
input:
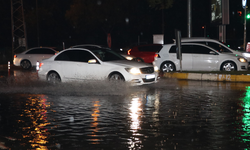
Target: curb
[{"x": 208, "y": 77}]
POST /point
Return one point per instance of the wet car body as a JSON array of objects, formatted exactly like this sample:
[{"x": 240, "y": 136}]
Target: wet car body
[{"x": 95, "y": 64}]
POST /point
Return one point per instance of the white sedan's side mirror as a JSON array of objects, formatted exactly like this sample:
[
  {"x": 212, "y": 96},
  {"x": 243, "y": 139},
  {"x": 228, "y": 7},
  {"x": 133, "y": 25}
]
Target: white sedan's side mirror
[
  {"x": 213, "y": 53},
  {"x": 92, "y": 61}
]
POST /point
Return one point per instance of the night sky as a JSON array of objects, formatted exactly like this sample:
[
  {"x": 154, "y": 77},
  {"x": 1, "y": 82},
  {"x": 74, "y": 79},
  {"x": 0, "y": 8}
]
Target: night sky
[{"x": 128, "y": 22}]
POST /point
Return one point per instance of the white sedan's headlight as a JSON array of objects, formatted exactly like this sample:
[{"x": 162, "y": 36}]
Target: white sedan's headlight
[
  {"x": 156, "y": 68},
  {"x": 134, "y": 71},
  {"x": 242, "y": 59},
  {"x": 129, "y": 58}
]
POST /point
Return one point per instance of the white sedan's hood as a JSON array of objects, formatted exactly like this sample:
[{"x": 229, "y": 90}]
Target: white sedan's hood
[
  {"x": 233, "y": 55},
  {"x": 128, "y": 63}
]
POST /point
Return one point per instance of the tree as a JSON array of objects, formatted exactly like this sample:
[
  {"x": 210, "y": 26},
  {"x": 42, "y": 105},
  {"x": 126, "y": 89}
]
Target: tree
[{"x": 161, "y": 5}]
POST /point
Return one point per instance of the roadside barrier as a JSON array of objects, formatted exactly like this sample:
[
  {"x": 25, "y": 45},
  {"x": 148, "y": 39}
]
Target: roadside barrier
[
  {"x": 37, "y": 68},
  {"x": 8, "y": 68}
]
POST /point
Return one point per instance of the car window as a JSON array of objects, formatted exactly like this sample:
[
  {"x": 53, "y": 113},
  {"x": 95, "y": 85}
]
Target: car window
[
  {"x": 194, "y": 49},
  {"x": 107, "y": 54},
  {"x": 153, "y": 48},
  {"x": 41, "y": 51},
  {"x": 75, "y": 55},
  {"x": 188, "y": 49},
  {"x": 172, "y": 49},
  {"x": 197, "y": 49},
  {"x": 218, "y": 47},
  {"x": 184, "y": 49}
]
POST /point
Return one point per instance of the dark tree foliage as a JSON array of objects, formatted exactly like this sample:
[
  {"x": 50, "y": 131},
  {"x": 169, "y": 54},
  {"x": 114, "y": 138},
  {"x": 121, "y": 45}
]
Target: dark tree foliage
[
  {"x": 51, "y": 22},
  {"x": 160, "y": 4}
]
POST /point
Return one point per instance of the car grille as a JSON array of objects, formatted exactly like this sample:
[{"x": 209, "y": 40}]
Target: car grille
[
  {"x": 147, "y": 70},
  {"x": 148, "y": 80}
]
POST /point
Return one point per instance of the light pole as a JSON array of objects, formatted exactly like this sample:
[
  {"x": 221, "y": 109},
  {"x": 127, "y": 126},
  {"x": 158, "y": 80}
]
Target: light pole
[
  {"x": 189, "y": 23},
  {"x": 245, "y": 30},
  {"x": 244, "y": 6}
]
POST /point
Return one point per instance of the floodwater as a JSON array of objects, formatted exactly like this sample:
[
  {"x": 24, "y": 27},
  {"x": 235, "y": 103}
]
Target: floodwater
[{"x": 169, "y": 115}]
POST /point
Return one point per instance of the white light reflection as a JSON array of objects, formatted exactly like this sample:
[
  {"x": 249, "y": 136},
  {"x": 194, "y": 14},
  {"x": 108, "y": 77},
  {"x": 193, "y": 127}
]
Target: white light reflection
[
  {"x": 135, "y": 108},
  {"x": 135, "y": 123}
]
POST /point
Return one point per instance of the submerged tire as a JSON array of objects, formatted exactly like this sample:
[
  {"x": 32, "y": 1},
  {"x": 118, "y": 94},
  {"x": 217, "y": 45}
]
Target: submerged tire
[
  {"x": 25, "y": 64},
  {"x": 116, "y": 77},
  {"x": 53, "y": 78}
]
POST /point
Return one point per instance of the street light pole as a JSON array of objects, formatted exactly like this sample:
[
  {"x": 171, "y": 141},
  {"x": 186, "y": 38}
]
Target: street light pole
[
  {"x": 245, "y": 30},
  {"x": 189, "y": 23}
]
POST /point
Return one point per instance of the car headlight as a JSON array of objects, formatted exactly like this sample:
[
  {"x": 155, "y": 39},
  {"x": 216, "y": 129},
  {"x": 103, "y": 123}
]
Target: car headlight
[
  {"x": 156, "y": 68},
  {"x": 134, "y": 71},
  {"x": 129, "y": 58},
  {"x": 242, "y": 59}
]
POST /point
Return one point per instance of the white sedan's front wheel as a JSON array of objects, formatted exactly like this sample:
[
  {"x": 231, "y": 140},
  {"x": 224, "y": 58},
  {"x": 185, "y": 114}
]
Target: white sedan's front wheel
[
  {"x": 53, "y": 78},
  {"x": 116, "y": 77}
]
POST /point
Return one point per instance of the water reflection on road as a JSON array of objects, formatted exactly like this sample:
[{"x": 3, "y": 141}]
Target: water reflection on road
[{"x": 101, "y": 115}]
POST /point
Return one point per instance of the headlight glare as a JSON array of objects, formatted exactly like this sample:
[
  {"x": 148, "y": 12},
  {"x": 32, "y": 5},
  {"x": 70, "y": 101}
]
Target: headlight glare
[
  {"x": 134, "y": 71},
  {"x": 156, "y": 68},
  {"x": 129, "y": 58},
  {"x": 242, "y": 59}
]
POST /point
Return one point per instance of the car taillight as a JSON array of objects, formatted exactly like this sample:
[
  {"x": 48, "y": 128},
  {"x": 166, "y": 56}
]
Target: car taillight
[
  {"x": 129, "y": 52},
  {"x": 157, "y": 55},
  {"x": 15, "y": 56},
  {"x": 40, "y": 65}
]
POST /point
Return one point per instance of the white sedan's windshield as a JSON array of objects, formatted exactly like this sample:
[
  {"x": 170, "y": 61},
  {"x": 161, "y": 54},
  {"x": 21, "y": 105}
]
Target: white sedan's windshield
[{"x": 107, "y": 55}]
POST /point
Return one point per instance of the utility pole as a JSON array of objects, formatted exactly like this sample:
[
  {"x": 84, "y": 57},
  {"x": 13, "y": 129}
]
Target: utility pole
[
  {"x": 19, "y": 38},
  {"x": 244, "y": 6},
  {"x": 245, "y": 29},
  {"x": 189, "y": 23}
]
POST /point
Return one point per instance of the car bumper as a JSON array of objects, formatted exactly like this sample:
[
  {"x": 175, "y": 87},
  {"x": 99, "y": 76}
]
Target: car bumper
[
  {"x": 143, "y": 79},
  {"x": 16, "y": 61}
]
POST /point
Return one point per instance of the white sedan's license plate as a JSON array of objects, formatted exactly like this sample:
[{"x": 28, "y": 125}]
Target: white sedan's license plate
[{"x": 150, "y": 76}]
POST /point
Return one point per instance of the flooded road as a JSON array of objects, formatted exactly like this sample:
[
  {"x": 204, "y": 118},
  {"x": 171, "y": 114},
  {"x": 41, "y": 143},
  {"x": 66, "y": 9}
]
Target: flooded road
[{"x": 169, "y": 115}]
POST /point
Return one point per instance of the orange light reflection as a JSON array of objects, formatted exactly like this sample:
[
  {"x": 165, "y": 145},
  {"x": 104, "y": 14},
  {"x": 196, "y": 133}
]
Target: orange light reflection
[
  {"x": 95, "y": 123},
  {"x": 35, "y": 133}
]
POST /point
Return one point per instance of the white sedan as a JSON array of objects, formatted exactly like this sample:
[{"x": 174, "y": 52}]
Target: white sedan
[
  {"x": 29, "y": 58},
  {"x": 198, "y": 57},
  {"x": 95, "y": 64}
]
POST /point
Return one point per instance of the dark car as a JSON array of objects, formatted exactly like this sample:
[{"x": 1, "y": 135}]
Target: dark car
[{"x": 145, "y": 53}]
